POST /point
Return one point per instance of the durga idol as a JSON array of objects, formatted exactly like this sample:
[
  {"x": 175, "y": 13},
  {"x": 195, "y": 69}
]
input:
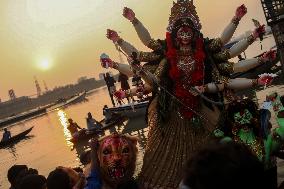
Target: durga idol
[{"x": 180, "y": 121}]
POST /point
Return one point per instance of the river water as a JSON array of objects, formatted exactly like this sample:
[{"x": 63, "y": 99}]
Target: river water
[{"x": 48, "y": 145}]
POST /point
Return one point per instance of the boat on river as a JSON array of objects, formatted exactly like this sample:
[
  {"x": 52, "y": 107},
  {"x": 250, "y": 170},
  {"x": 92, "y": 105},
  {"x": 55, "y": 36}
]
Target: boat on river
[
  {"x": 130, "y": 110},
  {"x": 85, "y": 134},
  {"x": 15, "y": 138},
  {"x": 74, "y": 99},
  {"x": 41, "y": 110},
  {"x": 23, "y": 116}
]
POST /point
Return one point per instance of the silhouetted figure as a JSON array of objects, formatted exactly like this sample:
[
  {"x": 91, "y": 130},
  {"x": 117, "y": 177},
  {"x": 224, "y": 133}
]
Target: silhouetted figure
[
  {"x": 92, "y": 123},
  {"x": 110, "y": 81},
  {"x": 107, "y": 114},
  {"x": 59, "y": 179},
  {"x": 6, "y": 135},
  {"x": 32, "y": 181},
  {"x": 224, "y": 166},
  {"x": 14, "y": 172},
  {"x": 17, "y": 173},
  {"x": 73, "y": 128},
  {"x": 123, "y": 79},
  {"x": 65, "y": 178}
]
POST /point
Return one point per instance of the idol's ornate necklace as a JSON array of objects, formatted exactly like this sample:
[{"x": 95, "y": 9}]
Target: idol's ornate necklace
[{"x": 186, "y": 61}]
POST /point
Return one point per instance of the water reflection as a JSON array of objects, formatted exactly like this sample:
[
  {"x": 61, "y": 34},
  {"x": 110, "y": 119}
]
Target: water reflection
[
  {"x": 13, "y": 151},
  {"x": 80, "y": 148},
  {"x": 137, "y": 127},
  {"x": 64, "y": 122}
]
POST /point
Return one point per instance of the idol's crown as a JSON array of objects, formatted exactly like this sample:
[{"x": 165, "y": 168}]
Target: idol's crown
[{"x": 183, "y": 9}]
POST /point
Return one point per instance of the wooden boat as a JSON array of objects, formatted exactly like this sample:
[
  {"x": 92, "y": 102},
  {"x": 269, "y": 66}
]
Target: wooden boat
[
  {"x": 77, "y": 98},
  {"x": 23, "y": 116},
  {"x": 15, "y": 138},
  {"x": 130, "y": 110},
  {"x": 73, "y": 100},
  {"x": 85, "y": 134}
]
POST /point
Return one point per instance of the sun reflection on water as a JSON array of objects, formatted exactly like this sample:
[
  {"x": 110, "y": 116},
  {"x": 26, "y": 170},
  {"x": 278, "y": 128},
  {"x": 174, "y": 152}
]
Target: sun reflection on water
[{"x": 64, "y": 122}]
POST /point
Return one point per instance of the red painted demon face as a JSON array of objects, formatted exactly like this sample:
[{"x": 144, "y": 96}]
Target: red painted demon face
[
  {"x": 117, "y": 158},
  {"x": 184, "y": 35}
]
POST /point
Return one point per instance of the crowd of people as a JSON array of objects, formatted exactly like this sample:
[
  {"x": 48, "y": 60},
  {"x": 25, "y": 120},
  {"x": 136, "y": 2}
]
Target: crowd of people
[
  {"x": 124, "y": 86},
  {"x": 194, "y": 114},
  {"x": 217, "y": 165}
]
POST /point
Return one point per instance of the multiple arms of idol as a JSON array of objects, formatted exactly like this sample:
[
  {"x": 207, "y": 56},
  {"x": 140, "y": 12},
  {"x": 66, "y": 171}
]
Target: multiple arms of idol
[{"x": 228, "y": 32}]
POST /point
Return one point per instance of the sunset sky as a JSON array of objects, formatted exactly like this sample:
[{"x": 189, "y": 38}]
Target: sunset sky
[{"x": 61, "y": 40}]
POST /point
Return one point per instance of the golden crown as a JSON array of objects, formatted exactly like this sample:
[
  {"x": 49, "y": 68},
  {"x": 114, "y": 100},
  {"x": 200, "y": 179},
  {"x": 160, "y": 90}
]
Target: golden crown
[{"x": 184, "y": 9}]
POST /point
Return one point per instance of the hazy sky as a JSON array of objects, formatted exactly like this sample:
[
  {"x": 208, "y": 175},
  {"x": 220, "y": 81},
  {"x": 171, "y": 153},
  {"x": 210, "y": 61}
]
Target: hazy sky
[{"x": 70, "y": 35}]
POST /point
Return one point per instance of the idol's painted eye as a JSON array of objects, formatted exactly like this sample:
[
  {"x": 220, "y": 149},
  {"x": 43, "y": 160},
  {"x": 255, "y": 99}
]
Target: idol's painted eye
[
  {"x": 106, "y": 151},
  {"x": 125, "y": 150}
]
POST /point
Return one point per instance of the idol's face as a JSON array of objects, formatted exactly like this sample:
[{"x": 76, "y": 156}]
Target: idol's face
[{"x": 184, "y": 35}]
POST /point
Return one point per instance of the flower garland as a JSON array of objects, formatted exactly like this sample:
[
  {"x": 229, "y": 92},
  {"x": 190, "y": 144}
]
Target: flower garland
[{"x": 197, "y": 76}]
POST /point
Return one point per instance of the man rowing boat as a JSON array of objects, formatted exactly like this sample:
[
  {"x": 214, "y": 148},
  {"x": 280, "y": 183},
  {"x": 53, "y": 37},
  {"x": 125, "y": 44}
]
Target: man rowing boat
[{"x": 6, "y": 135}]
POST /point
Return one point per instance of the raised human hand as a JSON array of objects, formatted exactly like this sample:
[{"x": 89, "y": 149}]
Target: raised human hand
[
  {"x": 268, "y": 56},
  {"x": 128, "y": 14},
  {"x": 241, "y": 11},
  {"x": 112, "y": 35},
  {"x": 259, "y": 32},
  {"x": 94, "y": 144}
]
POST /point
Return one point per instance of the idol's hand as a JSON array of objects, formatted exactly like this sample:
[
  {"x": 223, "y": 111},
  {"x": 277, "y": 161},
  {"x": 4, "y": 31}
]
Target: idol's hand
[
  {"x": 200, "y": 89},
  {"x": 128, "y": 14},
  {"x": 197, "y": 90},
  {"x": 264, "y": 80},
  {"x": 268, "y": 56},
  {"x": 241, "y": 11},
  {"x": 259, "y": 32},
  {"x": 112, "y": 35}
]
